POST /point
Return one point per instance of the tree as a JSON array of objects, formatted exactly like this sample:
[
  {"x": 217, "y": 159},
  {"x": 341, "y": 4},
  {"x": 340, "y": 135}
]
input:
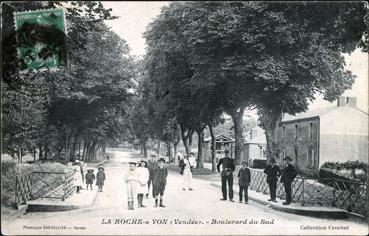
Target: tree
[{"x": 277, "y": 56}]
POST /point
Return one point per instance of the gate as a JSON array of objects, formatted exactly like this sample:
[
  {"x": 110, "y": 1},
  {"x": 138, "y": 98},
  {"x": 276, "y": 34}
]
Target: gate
[{"x": 43, "y": 184}]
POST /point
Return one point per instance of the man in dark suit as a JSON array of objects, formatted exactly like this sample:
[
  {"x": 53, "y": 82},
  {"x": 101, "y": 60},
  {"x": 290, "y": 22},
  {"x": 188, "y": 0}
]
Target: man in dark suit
[
  {"x": 288, "y": 175},
  {"x": 227, "y": 175},
  {"x": 273, "y": 172}
]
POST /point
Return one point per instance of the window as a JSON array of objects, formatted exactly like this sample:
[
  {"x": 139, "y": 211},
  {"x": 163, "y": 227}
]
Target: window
[
  {"x": 310, "y": 131},
  {"x": 311, "y": 158},
  {"x": 296, "y": 132},
  {"x": 283, "y": 131}
]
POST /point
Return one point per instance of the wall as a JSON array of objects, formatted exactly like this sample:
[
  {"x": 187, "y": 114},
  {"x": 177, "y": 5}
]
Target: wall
[
  {"x": 344, "y": 135},
  {"x": 304, "y": 149}
]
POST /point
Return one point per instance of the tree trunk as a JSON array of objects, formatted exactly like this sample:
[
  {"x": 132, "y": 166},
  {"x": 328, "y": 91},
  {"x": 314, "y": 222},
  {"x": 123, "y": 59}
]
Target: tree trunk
[
  {"x": 144, "y": 150},
  {"x": 34, "y": 154},
  {"x": 40, "y": 157},
  {"x": 169, "y": 151},
  {"x": 200, "y": 160},
  {"x": 237, "y": 121},
  {"x": 190, "y": 140},
  {"x": 175, "y": 144},
  {"x": 185, "y": 139},
  {"x": 270, "y": 121},
  {"x": 213, "y": 161}
]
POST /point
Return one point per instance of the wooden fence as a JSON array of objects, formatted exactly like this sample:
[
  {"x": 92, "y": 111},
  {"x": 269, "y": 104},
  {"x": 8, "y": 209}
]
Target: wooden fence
[
  {"x": 43, "y": 184},
  {"x": 348, "y": 195}
]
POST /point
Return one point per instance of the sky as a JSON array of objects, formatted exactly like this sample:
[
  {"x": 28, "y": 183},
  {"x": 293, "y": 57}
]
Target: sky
[{"x": 135, "y": 16}]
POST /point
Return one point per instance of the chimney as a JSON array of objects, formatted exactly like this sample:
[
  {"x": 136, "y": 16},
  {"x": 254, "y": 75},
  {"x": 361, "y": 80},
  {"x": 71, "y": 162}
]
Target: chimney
[
  {"x": 341, "y": 101},
  {"x": 351, "y": 101},
  {"x": 346, "y": 101}
]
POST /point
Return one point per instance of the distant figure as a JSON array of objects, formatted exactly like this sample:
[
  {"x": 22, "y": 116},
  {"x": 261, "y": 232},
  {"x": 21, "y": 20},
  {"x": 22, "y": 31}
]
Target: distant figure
[
  {"x": 151, "y": 165},
  {"x": 131, "y": 184},
  {"x": 288, "y": 175},
  {"x": 90, "y": 178},
  {"x": 77, "y": 177},
  {"x": 159, "y": 181},
  {"x": 273, "y": 172},
  {"x": 143, "y": 178},
  {"x": 244, "y": 178},
  {"x": 186, "y": 172},
  {"x": 100, "y": 178},
  {"x": 227, "y": 175},
  {"x": 81, "y": 163}
]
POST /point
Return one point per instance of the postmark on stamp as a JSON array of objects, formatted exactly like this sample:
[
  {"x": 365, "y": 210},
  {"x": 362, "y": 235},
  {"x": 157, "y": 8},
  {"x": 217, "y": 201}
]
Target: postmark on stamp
[{"x": 41, "y": 39}]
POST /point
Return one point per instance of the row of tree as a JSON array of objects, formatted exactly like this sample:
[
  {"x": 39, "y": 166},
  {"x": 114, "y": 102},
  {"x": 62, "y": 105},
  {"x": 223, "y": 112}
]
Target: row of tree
[
  {"x": 82, "y": 107},
  {"x": 205, "y": 59}
]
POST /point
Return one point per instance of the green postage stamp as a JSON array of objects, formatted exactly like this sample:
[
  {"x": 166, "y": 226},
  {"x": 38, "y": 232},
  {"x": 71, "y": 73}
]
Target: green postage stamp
[{"x": 41, "y": 39}]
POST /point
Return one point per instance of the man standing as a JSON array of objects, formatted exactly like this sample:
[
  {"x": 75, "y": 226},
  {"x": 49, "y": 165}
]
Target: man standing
[
  {"x": 273, "y": 172},
  {"x": 227, "y": 175},
  {"x": 151, "y": 165},
  {"x": 288, "y": 175}
]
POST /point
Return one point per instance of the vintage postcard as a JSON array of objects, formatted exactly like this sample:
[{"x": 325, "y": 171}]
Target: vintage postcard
[{"x": 184, "y": 118}]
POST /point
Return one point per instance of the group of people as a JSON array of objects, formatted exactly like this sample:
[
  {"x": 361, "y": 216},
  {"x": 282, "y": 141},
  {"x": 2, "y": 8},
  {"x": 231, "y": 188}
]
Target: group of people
[
  {"x": 273, "y": 173},
  {"x": 79, "y": 177},
  {"x": 139, "y": 180},
  {"x": 287, "y": 176},
  {"x": 187, "y": 164}
]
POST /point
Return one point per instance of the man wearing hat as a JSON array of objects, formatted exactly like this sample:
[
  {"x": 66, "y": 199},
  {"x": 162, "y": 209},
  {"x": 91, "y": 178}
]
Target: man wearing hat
[
  {"x": 227, "y": 175},
  {"x": 143, "y": 178},
  {"x": 159, "y": 182},
  {"x": 151, "y": 165},
  {"x": 288, "y": 175},
  {"x": 273, "y": 172}
]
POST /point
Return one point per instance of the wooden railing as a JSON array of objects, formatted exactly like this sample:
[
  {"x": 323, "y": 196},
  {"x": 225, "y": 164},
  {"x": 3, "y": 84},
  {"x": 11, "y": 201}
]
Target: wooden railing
[
  {"x": 43, "y": 184},
  {"x": 348, "y": 195}
]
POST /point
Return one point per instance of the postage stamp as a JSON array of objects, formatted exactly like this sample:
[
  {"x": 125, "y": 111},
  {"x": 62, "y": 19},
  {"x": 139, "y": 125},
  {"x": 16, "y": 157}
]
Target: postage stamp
[{"x": 41, "y": 39}]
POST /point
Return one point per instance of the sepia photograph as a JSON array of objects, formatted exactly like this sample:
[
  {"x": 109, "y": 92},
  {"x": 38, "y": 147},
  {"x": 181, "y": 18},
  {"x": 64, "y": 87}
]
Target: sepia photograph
[{"x": 184, "y": 118}]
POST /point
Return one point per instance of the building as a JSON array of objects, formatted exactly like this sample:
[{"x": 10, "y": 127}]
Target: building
[
  {"x": 336, "y": 133},
  {"x": 254, "y": 146},
  {"x": 222, "y": 142}
]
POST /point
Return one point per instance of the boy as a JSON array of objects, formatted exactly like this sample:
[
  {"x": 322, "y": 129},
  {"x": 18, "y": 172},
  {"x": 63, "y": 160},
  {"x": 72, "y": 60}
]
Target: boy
[
  {"x": 159, "y": 182},
  {"x": 90, "y": 177},
  {"x": 131, "y": 182},
  {"x": 244, "y": 176},
  {"x": 100, "y": 178}
]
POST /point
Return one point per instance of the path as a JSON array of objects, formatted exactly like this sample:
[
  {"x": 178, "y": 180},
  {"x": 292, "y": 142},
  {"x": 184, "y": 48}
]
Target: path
[{"x": 202, "y": 206}]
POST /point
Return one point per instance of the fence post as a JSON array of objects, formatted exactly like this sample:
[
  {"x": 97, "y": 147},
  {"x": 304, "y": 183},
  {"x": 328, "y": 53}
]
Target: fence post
[
  {"x": 64, "y": 188},
  {"x": 303, "y": 192},
  {"x": 16, "y": 192},
  {"x": 334, "y": 196}
]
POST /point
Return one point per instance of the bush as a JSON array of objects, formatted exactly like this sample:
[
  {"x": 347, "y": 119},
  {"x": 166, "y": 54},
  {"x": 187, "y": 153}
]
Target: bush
[{"x": 259, "y": 163}]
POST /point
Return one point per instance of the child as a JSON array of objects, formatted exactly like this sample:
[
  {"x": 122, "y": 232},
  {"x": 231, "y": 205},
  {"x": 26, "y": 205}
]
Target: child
[
  {"x": 159, "y": 182},
  {"x": 143, "y": 178},
  {"x": 77, "y": 177},
  {"x": 100, "y": 178},
  {"x": 131, "y": 181},
  {"x": 90, "y": 177},
  {"x": 244, "y": 181}
]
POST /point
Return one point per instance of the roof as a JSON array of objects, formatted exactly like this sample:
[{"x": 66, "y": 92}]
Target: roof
[
  {"x": 309, "y": 114},
  {"x": 220, "y": 138}
]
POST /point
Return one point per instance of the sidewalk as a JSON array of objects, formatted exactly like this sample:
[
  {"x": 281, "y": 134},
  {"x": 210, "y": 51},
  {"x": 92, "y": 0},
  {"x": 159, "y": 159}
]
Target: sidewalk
[
  {"x": 295, "y": 208},
  {"x": 83, "y": 199}
]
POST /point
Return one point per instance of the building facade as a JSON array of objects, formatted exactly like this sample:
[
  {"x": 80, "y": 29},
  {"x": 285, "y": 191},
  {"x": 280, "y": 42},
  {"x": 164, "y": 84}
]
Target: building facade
[{"x": 337, "y": 133}]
